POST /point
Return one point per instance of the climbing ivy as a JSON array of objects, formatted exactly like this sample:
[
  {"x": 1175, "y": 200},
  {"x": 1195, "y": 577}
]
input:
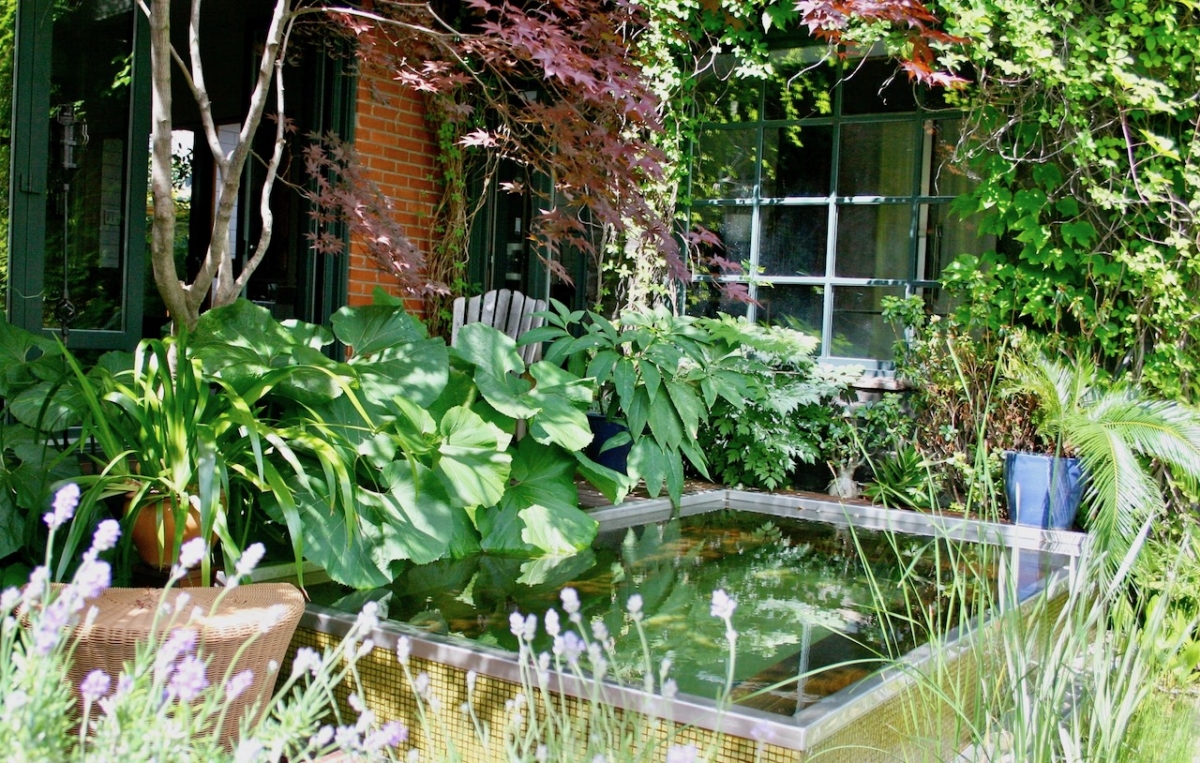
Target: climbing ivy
[{"x": 1084, "y": 135}]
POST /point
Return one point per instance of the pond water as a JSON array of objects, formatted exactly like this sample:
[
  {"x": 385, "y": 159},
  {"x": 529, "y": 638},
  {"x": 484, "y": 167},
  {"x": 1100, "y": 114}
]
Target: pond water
[{"x": 809, "y": 611}]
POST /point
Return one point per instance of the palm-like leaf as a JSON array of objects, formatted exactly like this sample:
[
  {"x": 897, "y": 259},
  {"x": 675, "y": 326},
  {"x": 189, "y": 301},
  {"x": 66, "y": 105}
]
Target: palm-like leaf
[{"x": 1116, "y": 433}]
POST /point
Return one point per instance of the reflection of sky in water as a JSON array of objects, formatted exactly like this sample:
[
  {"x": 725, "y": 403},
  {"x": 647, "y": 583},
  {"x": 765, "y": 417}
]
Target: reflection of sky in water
[{"x": 805, "y": 604}]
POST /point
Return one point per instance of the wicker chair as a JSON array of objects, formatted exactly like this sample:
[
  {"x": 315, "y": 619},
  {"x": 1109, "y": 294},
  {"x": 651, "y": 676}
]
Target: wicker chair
[{"x": 268, "y": 613}]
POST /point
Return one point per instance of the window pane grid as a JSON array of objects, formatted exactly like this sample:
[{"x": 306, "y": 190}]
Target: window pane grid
[{"x": 836, "y": 210}]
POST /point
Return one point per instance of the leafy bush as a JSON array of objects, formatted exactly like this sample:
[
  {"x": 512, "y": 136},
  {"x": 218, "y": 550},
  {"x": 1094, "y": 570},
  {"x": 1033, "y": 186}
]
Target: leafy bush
[{"x": 791, "y": 405}]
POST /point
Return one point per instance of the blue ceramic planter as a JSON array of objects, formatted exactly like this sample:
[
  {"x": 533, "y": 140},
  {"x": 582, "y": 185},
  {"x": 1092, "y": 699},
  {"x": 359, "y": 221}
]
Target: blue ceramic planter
[
  {"x": 1043, "y": 491},
  {"x": 604, "y": 430}
]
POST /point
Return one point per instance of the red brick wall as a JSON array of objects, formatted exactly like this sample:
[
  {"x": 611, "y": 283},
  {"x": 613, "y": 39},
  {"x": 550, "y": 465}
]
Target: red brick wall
[{"x": 394, "y": 143}]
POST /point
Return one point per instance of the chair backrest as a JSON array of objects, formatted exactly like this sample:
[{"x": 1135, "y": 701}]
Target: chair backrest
[{"x": 509, "y": 312}]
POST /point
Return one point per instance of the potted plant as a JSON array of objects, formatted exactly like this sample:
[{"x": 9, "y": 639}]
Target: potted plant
[
  {"x": 657, "y": 375},
  {"x": 185, "y": 452},
  {"x": 1101, "y": 440}
]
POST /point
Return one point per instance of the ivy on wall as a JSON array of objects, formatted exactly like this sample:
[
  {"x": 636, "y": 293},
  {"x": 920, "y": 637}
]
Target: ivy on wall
[{"x": 1084, "y": 122}]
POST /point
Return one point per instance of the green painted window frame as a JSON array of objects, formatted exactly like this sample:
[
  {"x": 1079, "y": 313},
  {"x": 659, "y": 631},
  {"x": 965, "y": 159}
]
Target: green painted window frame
[
  {"x": 920, "y": 204},
  {"x": 28, "y": 171}
]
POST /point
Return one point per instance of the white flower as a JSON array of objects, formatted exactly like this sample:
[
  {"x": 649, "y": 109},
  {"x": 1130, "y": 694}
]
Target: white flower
[
  {"x": 9, "y": 599},
  {"x": 421, "y": 685},
  {"x": 106, "y": 535},
  {"x": 403, "y": 649},
  {"x": 722, "y": 605},
  {"x": 599, "y": 631},
  {"x": 682, "y": 753},
  {"x": 307, "y": 661},
  {"x": 670, "y": 688},
  {"x": 530, "y": 627},
  {"x": 248, "y": 561},
  {"x": 191, "y": 554},
  {"x": 472, "y": 678},
  {"x": 634, "y": 606},
  {"x": 364, "y": 649},
  {"x": 65, "y": 501},
  {"x": 542, "y": 754},
  {"x": 368, "y": 618},
  {"x": 570, "y": 600},
  {"x": 553, "y": 627},
  {"x": 516, "y": 624}
]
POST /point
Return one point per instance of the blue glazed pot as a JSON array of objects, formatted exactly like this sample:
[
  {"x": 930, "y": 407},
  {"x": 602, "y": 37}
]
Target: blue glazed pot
[
  {"x": 1043, "y": 491},
  {"x": 604, "y": 430}
]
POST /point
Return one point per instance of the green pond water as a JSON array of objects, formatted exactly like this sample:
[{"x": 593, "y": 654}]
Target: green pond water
[{"x": 806, "y": 605}]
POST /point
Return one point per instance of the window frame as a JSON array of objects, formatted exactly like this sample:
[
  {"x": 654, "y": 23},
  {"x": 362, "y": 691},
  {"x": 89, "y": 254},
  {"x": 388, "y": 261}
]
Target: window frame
[{"x": 921, "y": 201}]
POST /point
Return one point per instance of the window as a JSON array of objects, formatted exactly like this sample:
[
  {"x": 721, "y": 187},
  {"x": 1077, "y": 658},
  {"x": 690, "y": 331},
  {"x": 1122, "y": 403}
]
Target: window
[{"x": 833, "y": 191}]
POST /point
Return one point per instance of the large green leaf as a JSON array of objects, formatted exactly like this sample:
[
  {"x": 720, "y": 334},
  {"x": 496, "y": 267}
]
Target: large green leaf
[
  {"x": 562, "y": 400},
  {"x": 488, "y": 350},
  {"x": 17, "y": 347},
  {"x": 471, "y": 465},
  {"x": 612, "y": 484},
  {"x": 344, "y": 552},
  {"x": 242, "y": 333},
  {"x": 12, "y": 520},
  {"x": 373, "y": 328},
  {"x": 687, "y": 405},
  {"x": 647, "y": 461},
  {"x": 506, "y": 393},
  {"x": 412, "y": 520},
  {"x": 416, "y": 371},
  {"x": 665, "y": 424},
  {"x": 542, "y": 504},
  {"x": 49, "y": 406}
]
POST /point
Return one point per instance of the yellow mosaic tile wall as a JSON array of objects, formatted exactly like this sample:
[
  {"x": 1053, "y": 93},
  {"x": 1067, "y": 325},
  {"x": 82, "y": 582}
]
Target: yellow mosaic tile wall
[{"x": 916, "y": 725}]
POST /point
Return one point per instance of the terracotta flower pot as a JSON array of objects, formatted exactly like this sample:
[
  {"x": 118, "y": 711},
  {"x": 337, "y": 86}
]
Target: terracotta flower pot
[{"x": 154, "y": 540}]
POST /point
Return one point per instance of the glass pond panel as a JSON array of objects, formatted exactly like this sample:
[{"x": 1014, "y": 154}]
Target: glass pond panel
[{"x": 806, "y": 605}]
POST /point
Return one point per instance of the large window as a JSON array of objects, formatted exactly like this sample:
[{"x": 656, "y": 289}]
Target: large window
[{"x": 832, "y": 184}]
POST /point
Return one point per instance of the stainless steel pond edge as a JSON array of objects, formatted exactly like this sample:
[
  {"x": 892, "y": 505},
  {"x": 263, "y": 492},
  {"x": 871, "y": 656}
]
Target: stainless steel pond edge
[{"x": 812, "y": 724}]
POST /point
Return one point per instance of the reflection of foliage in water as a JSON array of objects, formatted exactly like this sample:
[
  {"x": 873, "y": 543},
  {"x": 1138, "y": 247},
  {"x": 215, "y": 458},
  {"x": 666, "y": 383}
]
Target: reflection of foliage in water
[{"x": 803, "y": 596}]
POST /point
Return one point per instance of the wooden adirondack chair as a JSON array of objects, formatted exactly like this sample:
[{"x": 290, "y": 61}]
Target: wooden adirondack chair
[{"x": 509, "y": 312}]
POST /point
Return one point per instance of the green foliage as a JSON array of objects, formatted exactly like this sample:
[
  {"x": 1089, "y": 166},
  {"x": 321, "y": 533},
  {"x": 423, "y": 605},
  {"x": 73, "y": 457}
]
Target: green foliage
[
  {"x": 759, "y": 440},
  {"x": 1084, "y": 127},
  {"x": 903, "y": 479},
  {"x": 954, "y": 367},
  {"x": 1115, "y": 430},
  {"x": 660, "y": 374},
  {"x": 405, "y": 451}
]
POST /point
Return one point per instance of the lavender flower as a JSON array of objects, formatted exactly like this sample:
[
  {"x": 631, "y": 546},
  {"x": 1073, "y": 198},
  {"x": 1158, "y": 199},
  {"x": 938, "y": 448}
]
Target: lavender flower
[
  {"x": 92, "y": 578},
  {"x": 393, "y": 734},
  {"x": 65, "y": 501},
  {"x": 572, "y": 647},
  {"x": 553, "y": 626},
  {"x": 9, "y": 599},
  {"x": 368, "y": 618},
  {"x": 181, "y": 641},
  {"x": 670, "y": 688},
  {"x": 570, "y": 601},
  {"x": 307, "y": 661},
  {"x": 94, "y": 686},
  {"x": 634, "y": 605},
  {"x": 237, "y": 685},
  {"x": 722, "y": 605},
  {"x": 403, "y": 649},
  {"x": 246, "y": 564},
  {"x": 682, "y": 753},
  {"x": 189, "y": 680},
  {"x": 516, "y": 624},
  {"x": 50, "y": 626},
  {"x": 248, "y": 751},
  {"x": 190, "y": 554},
  {"x": 106, "y": 536}
]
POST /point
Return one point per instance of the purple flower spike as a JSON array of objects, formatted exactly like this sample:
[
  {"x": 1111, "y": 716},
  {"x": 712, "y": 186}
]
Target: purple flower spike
[
  {"x": 189, "y": 680},
  {"x": 65, "y": 501},
  {"x": 94, "y": 686}
]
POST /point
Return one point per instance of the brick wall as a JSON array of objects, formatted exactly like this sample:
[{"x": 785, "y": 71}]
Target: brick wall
[{"x": 394, "y": 143}]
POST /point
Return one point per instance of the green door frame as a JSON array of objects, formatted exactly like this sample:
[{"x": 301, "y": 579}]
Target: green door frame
[{"x": 30, "y": 163}]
